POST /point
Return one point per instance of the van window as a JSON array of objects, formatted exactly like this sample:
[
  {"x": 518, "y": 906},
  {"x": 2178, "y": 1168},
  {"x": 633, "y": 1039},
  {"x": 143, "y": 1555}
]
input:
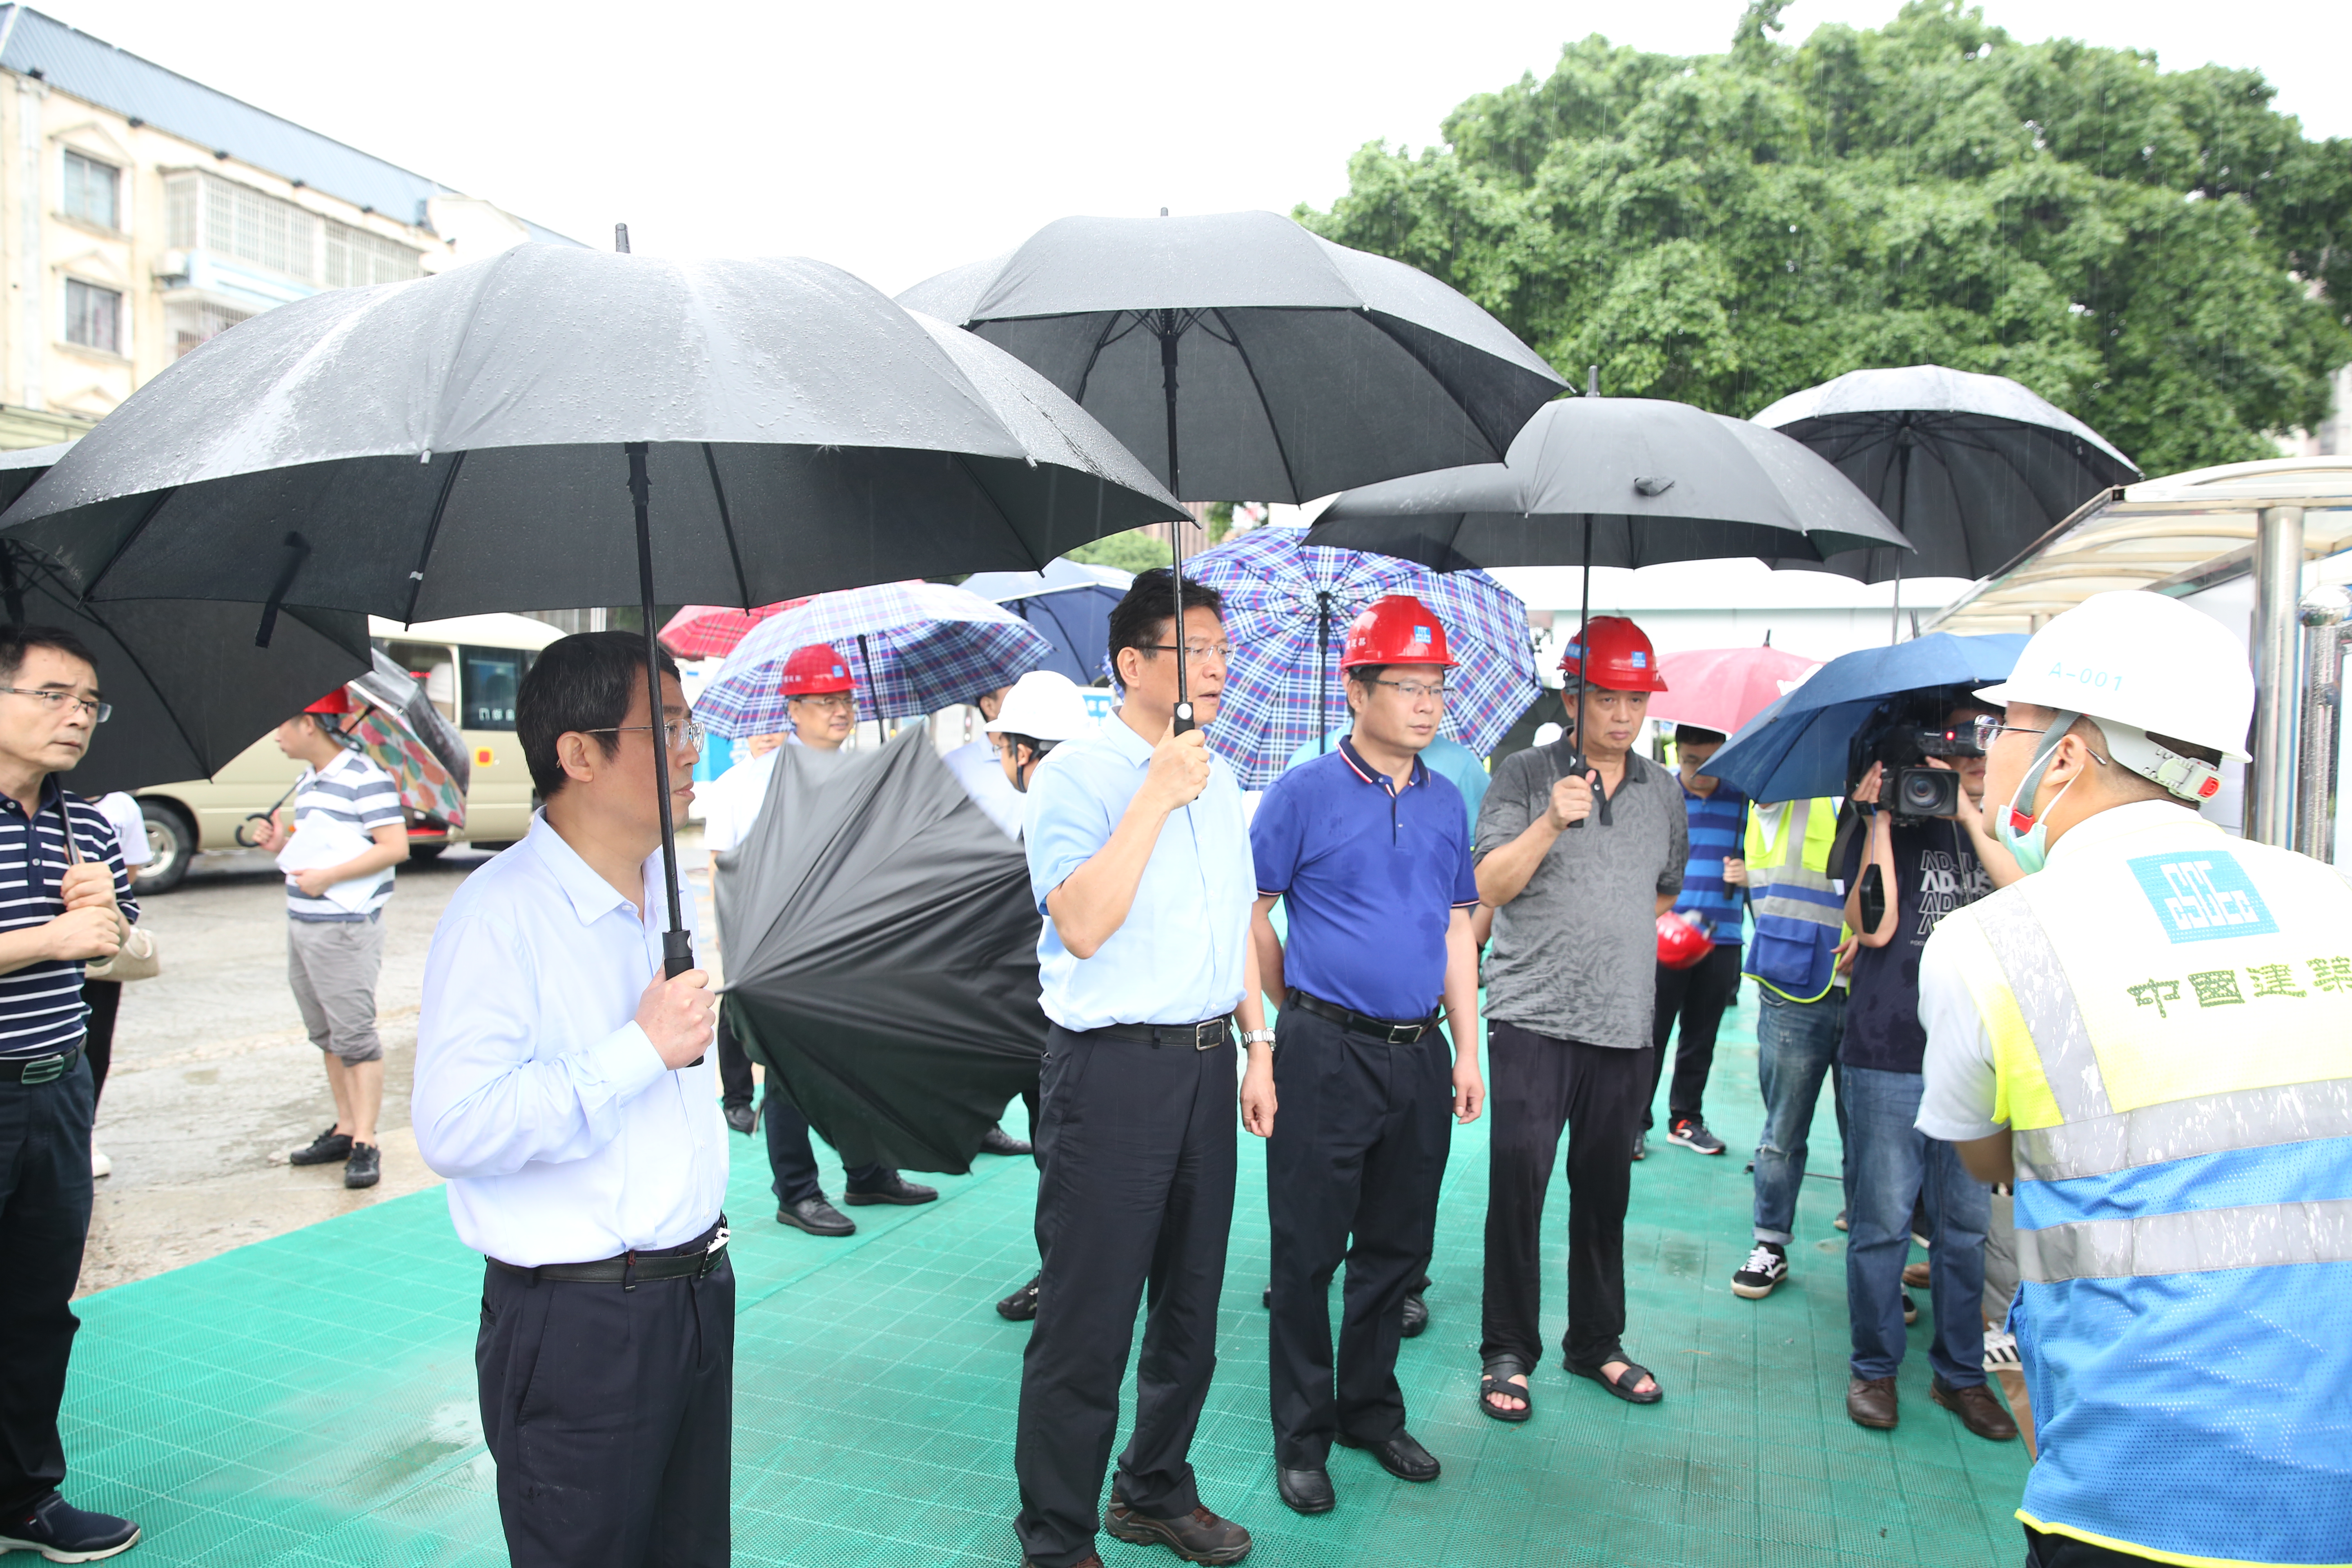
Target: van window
[
  {"x": 493, "y": 676},
  {"x": 430, "y": 663}
]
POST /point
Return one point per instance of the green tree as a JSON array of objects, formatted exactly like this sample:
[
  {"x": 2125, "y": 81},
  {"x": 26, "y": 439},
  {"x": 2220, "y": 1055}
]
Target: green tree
[
  {"x": 2162, "y": 253},
  {"x": 1137, "y": 550}
]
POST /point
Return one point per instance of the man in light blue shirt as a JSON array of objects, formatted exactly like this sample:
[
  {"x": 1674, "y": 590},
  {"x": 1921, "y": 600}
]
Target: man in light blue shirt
[
  {"x": 563, "y": 1087},
  {"x": 1141, "y": 861}
]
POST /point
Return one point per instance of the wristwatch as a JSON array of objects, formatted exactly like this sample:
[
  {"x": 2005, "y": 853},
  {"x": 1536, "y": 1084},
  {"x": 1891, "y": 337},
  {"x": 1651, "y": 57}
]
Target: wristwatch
[{"x": 1257, "y": 1036}]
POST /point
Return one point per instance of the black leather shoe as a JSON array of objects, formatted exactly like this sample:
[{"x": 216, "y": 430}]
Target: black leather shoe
[
  {"x": 897, "y": 1189},
  {"x": 1416, "y": 1315},
  {"x": 817, "y": 1217},
  {"x": 997, "y": 1140},
  {"x": 1305, "y": 1491},
  {"x": 1020, "y": 1307},
  {"x": 327, "y": 1149},
  {"x": 1199, "y": 1536},
  {"x": 1400, "y": 1456},
  {"x": 742, "y": 1117}
]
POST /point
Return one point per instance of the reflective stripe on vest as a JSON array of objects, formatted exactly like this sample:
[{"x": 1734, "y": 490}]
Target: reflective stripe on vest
[{"x": 1799, "y": 915}]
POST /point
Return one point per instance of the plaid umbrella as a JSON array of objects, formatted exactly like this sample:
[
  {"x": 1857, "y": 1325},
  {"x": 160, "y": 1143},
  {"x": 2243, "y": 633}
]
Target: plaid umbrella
[
  {"x": 711, "y": 631},
  {"x": 912, "y": 647},
  {"x": 1286, "y": 612}
]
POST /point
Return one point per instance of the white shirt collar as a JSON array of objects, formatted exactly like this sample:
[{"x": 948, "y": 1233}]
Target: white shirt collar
[{"x": 591, "y": 896}]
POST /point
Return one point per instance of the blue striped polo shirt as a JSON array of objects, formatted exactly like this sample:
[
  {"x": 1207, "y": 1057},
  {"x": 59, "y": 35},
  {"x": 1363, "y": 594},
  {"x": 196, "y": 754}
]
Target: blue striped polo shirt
[
  {"x": 354, "y": 790},
  {"x": 1718, "y": 825},
  {"x": 41, "y": 1010}
]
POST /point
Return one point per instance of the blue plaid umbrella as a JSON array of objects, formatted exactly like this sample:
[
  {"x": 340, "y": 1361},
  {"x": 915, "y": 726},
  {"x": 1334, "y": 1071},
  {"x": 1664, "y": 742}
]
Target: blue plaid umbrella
[
  {"x": 1286, "y": 613},
  {"x": 912, "y": 647}
]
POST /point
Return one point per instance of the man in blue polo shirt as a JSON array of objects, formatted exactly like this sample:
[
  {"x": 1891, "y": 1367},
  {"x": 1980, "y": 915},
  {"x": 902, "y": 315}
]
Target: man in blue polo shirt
[
  {"x": 1140, "y": 863},
  {"x": 1371, "y": 850},
  {"x": 1713, "y": 881}
]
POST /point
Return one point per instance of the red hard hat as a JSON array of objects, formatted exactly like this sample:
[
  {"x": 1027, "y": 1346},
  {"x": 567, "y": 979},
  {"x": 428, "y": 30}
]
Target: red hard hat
[
  {"x": 1683, "y": 942},
  {"x": 339, "y": 700},
  {"x": 1398, "y": 629},
  {"x": 815, "y": 670},
  {"x": 1622, "y": 658}
]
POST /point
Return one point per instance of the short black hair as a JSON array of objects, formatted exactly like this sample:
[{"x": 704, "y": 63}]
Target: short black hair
[
  {"x": 581, "y": 682},
  {"x": 15, "y": 642},
  {"x": 1697, "y": 736},
  {"x": 1138, "y": 620}
]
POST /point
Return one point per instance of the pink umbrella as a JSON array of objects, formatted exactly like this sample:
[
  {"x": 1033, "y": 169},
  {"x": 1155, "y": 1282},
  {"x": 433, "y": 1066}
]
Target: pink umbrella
[
  {"x": 1723, "y": 687},
  {"x": 711, "y": 631}
]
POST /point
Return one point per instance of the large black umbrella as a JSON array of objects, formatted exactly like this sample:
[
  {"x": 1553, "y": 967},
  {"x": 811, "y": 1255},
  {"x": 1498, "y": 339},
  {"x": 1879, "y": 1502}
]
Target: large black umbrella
[
  {"x": 1973, "y": 468},
  {"x": 560, "y": 427},
  {"x": 188, "y": 688},
  {"x": 882, "y": 953},
  {"x": 1279, "y": 365}
]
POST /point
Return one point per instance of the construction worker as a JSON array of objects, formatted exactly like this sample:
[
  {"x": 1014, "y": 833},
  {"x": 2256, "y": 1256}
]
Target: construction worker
[
  {"x": 2152, "y": 1031},
  {"x": 1582, "y": 845},
  {"x": 1369, "y": 851},
  {"x": 978, "y": 765},
  {"x": 1798, "y": 908}
]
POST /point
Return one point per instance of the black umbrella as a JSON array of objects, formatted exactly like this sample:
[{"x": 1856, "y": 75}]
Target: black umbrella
[
  {"x": 188, "y": 688},
  {"x": 882, "y": 953},
  {"x": 494, "y": 437},
  {"x": 1305, "y": 366},
  {"x": 1973, "y": 468}
]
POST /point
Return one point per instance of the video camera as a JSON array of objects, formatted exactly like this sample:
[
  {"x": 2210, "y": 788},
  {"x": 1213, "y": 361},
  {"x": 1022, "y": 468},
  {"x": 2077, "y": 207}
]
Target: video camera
[{"x": 1900, "y": 735}]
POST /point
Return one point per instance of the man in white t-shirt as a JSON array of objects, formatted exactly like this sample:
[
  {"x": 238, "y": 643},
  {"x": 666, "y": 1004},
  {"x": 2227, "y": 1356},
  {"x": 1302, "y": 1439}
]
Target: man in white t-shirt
[{"x": 977, "y": 768}]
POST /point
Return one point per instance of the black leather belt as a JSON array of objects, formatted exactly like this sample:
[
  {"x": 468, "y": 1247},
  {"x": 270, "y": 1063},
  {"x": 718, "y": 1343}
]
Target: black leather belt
[
  {"x": 1205, "y": 1036},
  {"x": 40, "y": 1069},
  {"x": 1362, "y": 1023},
  {"x": 694, "y": 1260}
]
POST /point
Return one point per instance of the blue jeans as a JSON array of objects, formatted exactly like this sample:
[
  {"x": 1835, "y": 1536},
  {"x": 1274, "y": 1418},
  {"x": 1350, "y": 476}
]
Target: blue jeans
[
  {"x": 1796, "y": 1046},
  {"x": 1894, "y": 1164}
]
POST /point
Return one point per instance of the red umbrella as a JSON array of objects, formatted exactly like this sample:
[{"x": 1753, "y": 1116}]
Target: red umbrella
[
  {"x": 711, "y": 631},
  {"x": 1723, "y": 687}
]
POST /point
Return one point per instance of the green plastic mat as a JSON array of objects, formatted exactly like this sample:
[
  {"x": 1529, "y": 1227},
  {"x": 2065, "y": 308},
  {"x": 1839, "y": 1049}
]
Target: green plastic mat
[{"x": 309, "y": 1400}]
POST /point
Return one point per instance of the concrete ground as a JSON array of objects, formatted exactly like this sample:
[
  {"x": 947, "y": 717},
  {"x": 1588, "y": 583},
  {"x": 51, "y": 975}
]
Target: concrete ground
[{"x": 213, "y": 1080}]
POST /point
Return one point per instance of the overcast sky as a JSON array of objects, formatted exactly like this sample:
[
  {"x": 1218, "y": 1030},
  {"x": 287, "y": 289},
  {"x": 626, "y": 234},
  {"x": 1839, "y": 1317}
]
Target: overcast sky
[{"x": 900, "y": 140}]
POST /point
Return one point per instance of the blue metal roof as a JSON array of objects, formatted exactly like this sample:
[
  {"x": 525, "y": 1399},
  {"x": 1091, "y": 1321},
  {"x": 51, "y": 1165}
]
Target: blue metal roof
[{"x": 91, "y": 68}]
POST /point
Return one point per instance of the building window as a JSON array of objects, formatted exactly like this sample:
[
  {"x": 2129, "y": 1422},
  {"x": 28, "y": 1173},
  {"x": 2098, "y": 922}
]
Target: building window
[
  {"x": 356, "y": 258},
  {"x": 93, "y": 191},
  {"x": 93, "y": 317},
  {"x": 194, "y": 321},
  {"x": 203, "y": 212}
]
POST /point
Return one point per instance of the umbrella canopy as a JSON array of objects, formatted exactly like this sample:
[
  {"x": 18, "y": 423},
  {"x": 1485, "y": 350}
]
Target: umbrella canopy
[
  {"x": 882, "y": 953},
  {"x": 1067, "y": 604},
  {"x": 912, "y": 649},
  {"x": 711, "y": 631},
  {"x": 1286, "y": 613},
  {"x": 1798, "y": 748},
  {"x": 1972, "y": 469},
  {"x": 1721, "y": 689},
  {"x": 400, "y": 729},
  {"x": 557, "y": 427},
  {"x": 1243, "y": 358}
]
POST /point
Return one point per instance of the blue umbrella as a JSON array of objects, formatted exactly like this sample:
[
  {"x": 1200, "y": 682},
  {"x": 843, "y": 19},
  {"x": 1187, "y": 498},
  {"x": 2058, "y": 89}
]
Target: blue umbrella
[
  {"x": 1286, "y": 612},
  {"x": 1067, "y": 604},
  {"x": 1796, "y": 749}
]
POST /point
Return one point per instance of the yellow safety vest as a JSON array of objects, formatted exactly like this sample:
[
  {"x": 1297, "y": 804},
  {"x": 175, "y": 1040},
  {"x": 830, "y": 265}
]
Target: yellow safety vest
[
  {"x": 1798, "y": 911},
  {"x": 2170, "y": 1014}
]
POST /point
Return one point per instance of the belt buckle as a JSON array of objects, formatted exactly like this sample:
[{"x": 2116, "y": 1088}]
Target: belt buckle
[
  {"x": 44, "y": 1069},
  {"x": 1208, "y": 1035},
  {"x": 1405, "y": 1034}
]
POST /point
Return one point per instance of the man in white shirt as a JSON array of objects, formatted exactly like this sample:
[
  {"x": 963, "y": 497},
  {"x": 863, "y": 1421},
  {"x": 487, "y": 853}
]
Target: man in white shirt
[
  {"x": 564, "y": 1087},
  {"x": 977, "y": 767}
]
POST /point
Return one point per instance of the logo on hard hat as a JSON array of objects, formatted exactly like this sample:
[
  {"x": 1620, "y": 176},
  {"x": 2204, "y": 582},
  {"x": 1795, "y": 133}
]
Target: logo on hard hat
[
  {"x": 1421, "y": 634},
  {"x": 1641, "y": 659}
]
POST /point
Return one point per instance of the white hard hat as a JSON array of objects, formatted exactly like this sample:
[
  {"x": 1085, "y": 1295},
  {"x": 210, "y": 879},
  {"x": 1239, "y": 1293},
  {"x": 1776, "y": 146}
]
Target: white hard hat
[
  {"x": 1043, "y": 706},
  {"x": 2136, "y": 662}
]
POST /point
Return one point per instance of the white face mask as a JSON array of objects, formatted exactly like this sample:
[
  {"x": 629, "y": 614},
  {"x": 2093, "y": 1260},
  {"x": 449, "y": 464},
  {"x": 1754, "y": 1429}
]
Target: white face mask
[{"x": 2024, "y": 836}]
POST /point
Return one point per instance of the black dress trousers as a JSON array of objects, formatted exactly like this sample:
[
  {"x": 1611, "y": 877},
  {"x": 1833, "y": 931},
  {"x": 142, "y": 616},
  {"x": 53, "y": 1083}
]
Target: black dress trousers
[
  {"x": 610, "y": 1414},
  {"x": 1351, "y": 1174},
  {"x": 45, "y": 1197},
  {"x": 1135, "y": 1198},
  {"x": 1698, "y": 996}
]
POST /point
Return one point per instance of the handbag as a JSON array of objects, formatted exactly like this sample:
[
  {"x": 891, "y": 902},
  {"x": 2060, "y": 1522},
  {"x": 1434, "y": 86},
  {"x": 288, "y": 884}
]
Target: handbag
[{"x": 139, "y": 958}]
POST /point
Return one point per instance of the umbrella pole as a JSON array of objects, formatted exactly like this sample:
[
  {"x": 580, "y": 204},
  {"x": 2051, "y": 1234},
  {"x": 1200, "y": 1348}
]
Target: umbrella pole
[
  {"x": 873, "y": 692},
  {"x": 1902, "y": 511},
  {"x": 1183, "y": 720},
  {"x": 1323, "y": 672},
  {"x": 678, "y": 943}
]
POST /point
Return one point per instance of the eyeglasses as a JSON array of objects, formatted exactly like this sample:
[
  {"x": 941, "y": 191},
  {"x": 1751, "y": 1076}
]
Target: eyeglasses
[
  {"x": 694, "y": 732},
  {"x": 99, "y": 712},
  {"x": 1199, "y": 652},
  {"x": 1986, "y": 729},
  {"x": 843, "y": 700},
  {"x": 1415, "y": 691}
]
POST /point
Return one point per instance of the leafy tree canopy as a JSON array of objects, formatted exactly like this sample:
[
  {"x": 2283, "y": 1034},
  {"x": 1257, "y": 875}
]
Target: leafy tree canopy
[{"x": 2161, "y": 253}]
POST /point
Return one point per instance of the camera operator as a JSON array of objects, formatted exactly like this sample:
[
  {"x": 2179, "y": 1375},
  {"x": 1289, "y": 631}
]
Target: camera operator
[{"x": 1923, "y": 855}]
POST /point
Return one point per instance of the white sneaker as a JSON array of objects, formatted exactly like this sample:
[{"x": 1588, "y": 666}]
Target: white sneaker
[
  {"x": 2001, "y": 1352},
  {"x": 99, "y": 1164}
]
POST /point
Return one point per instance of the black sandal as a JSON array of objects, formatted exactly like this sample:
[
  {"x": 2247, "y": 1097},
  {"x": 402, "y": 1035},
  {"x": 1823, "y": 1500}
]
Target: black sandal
[
  {"x": 1497, "y": 1379},
  {"x": 1623, "y": 1384}
]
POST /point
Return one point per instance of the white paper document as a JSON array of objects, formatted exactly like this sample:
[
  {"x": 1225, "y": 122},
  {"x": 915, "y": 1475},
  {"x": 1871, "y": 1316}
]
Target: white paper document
[{"x": 322, "y": 841}]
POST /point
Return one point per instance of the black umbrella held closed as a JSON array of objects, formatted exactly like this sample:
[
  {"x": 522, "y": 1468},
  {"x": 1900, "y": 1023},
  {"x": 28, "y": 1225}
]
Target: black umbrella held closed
[
  {"x": 557, "y": 427},
  {"x": 1305, "y": 367},
  {"x": 882, "y": 953}
]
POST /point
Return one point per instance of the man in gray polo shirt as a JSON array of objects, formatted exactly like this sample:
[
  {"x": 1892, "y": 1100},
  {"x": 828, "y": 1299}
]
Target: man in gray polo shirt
[{"x": 1580, "y": 846}]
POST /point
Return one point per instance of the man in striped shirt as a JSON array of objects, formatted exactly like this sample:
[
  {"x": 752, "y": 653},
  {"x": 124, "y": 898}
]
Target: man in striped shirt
[
  {"x": 349, "y": 833},
  {"x": 1713, "y": 882},
  {"x": 63, "y": 903}
]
